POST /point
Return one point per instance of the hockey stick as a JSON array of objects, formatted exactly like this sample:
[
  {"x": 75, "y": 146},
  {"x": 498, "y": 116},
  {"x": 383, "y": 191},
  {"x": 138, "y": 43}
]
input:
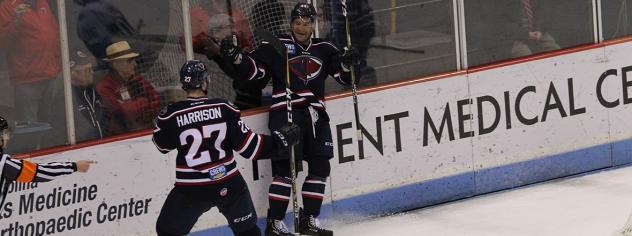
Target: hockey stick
[
  {"x": 354, "y": 87},
  {"x": 280, "y": 48}
]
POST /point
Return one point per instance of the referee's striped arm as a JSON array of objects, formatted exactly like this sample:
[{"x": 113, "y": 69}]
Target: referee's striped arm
[{"x": 26, "y": 171}]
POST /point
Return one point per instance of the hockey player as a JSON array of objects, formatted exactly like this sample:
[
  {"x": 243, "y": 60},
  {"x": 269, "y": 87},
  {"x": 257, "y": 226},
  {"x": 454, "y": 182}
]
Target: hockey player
[
  {"x": 205, "y": 132},
  {"x": 311, "y": 61},
  {"x": 26, "y": 171}
]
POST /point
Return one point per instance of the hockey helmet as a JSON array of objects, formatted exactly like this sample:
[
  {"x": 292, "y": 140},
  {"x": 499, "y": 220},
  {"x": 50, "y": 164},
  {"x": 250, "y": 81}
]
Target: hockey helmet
[
  {"x": 193, "y": 74},
  {"x": 303, "y": 10}
]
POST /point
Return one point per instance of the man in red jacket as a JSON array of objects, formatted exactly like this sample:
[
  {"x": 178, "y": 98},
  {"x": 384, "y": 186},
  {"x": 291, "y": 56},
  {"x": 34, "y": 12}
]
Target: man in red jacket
[
  {"x": 202, "y": 13},
  {"x": 29, "y": 38},
  {"x": 129, "y": 101}
]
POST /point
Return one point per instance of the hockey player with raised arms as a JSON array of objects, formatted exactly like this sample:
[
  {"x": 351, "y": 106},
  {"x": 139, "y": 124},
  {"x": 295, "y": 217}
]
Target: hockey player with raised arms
[
  {"x": 311, "y": 61},
  {"x": 205, "y": 132},
  {"x": 27, "y": 171}
]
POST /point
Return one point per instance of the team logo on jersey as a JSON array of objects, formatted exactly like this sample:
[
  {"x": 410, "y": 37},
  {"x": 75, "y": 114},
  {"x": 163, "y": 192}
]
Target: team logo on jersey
[
  {"x": 306, "y": 67},
  {"x": 223, "y": 192},
  {"x": 217, "y": 172},
  {"x": 163, "y": 111},
  {"x": 291, "y": 48}
]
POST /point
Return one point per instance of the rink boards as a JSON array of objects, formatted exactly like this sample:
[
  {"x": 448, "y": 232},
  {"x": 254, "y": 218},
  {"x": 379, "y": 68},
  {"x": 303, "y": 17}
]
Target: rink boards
[{"x": 426, "y": 141}]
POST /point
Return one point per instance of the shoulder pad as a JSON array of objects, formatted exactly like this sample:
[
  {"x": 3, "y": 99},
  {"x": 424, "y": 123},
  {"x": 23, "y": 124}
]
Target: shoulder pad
[
  {"x": 227, "y": 104},
  {"x": 164, "y": 110},
  {"x": 167, "y": 109}
]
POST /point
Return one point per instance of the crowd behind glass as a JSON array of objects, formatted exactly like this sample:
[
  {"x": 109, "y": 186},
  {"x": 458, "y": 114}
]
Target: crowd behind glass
[{"x": 124, "y": 61}]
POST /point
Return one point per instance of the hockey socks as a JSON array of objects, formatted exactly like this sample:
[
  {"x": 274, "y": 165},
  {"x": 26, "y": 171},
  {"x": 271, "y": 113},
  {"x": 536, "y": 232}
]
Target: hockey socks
[
  {"x": 313, "y": 193},
  {"x": 279, "y": 197}
]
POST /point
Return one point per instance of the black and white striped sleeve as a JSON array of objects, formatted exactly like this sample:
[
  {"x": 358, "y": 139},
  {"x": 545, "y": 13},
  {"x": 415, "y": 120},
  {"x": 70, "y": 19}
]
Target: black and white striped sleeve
[{"x": 27, "y": 171}]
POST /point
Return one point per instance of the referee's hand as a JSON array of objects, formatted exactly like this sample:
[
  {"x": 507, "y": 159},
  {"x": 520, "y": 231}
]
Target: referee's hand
[{"x": 83, "y": 165}]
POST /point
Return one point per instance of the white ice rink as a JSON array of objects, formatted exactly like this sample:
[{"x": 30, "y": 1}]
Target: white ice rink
[{"x": 592, "y": 205}]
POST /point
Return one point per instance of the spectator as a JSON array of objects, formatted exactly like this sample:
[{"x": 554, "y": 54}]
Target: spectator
[
  {"x": 86, "y": 101},
  {"x": 248, "y": 93},
  {"x": 531, "y": 37},
  {"x": 200, "y": 22},
  {"x": 29, "y": 37},
  {"x": 100, "y": 23},
  {"x": 210, "y": 23},
  {"x": 129, "y": 101}
]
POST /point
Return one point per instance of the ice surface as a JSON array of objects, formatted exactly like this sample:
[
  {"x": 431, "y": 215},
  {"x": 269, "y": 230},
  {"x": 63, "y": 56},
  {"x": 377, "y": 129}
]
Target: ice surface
[{"x": 591, "y": 205}]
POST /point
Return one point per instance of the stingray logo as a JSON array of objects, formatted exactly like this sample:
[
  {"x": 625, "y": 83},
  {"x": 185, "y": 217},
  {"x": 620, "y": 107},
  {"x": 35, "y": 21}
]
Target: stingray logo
[{"x": 306, "y": 67}]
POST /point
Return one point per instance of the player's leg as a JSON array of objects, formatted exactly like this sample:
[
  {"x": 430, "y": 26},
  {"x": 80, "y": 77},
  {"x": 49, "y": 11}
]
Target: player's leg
[
  {"x": 241, "y": 215},
  {"x": 279, "y": 198},
  {"x": 313, "y": 190},
  {"x": 179, "y": 214},
  {"x": 281, "y": 189}
]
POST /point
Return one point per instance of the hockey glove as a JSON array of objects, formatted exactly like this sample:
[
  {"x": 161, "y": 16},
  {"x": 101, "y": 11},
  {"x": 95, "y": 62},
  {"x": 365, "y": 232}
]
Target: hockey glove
[
  {"x": 229, "y": 49},
  {"x": 286, "y": 136},
  {"x": 350, "y": 57}
]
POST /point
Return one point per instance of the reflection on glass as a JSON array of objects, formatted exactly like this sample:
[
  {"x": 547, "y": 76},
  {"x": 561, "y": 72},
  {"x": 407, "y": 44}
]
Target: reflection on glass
[
  {"x": 398, "y": 39},
  {"x": 498, "y": 30},
  {"x": 617, "y": 18},
  {"x": 134, "y": 78},
  {"x": 211, "y": 22},
  {"x": 30, "y": 51}
]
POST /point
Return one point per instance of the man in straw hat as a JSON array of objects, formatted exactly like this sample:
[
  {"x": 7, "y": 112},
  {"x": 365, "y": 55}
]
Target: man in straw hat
[{"x": 130, "y": 102}]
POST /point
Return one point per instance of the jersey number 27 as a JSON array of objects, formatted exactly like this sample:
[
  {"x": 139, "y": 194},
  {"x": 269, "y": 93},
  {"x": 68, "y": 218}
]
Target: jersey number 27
[{"x": 195, "y": 156}]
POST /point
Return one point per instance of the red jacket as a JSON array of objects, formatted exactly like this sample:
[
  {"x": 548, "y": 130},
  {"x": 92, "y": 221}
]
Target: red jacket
[
  {"x": 32, "y": 45},
  {"x": 199, "y": 27},
  {"x": 131, "y": 113}
]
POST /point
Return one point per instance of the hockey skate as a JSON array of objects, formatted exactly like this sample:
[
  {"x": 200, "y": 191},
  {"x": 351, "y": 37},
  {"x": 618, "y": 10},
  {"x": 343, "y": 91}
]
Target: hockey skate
[
  {"x": 277, "y": 228},
  {"x": 309, "y": 225}
]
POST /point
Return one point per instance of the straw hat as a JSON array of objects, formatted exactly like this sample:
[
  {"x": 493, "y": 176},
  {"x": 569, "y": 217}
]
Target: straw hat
[{"x": 119, "y": 50}]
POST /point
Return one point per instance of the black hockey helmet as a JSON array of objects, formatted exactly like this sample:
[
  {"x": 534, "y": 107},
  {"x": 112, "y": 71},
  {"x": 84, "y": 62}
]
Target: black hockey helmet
[
  {"x": 303, "y": 10},
  {"x": 193, "y": 74}
]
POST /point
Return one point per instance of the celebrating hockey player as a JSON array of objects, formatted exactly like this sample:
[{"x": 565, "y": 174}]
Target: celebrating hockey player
[
  {"x": 205, "y": 132},
  {"x": 26, "y": 171},
  {"x": 311, "y": 61}
]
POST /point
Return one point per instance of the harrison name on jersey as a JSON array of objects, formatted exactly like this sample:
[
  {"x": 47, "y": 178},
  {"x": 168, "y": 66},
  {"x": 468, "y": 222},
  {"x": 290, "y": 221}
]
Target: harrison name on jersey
[{"x": 199, "y": 116}]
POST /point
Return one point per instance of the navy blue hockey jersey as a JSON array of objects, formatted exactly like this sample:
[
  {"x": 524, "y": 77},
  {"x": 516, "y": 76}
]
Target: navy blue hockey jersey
[
  {"x": 206, "y": 132},
  {"x": 309, "y": 67}
]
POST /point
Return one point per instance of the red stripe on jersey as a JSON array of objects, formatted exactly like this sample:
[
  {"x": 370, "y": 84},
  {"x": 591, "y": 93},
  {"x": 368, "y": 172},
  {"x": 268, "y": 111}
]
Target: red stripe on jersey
[
  {"x": 305, "y": 195},
  {"x": 210, "y": 165},
  {"x": 245, "y": 144},
  {"x": 208, "y": 182},
  {"x": 261, "y": 143},
  {"x": 279, "y": 199}
]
